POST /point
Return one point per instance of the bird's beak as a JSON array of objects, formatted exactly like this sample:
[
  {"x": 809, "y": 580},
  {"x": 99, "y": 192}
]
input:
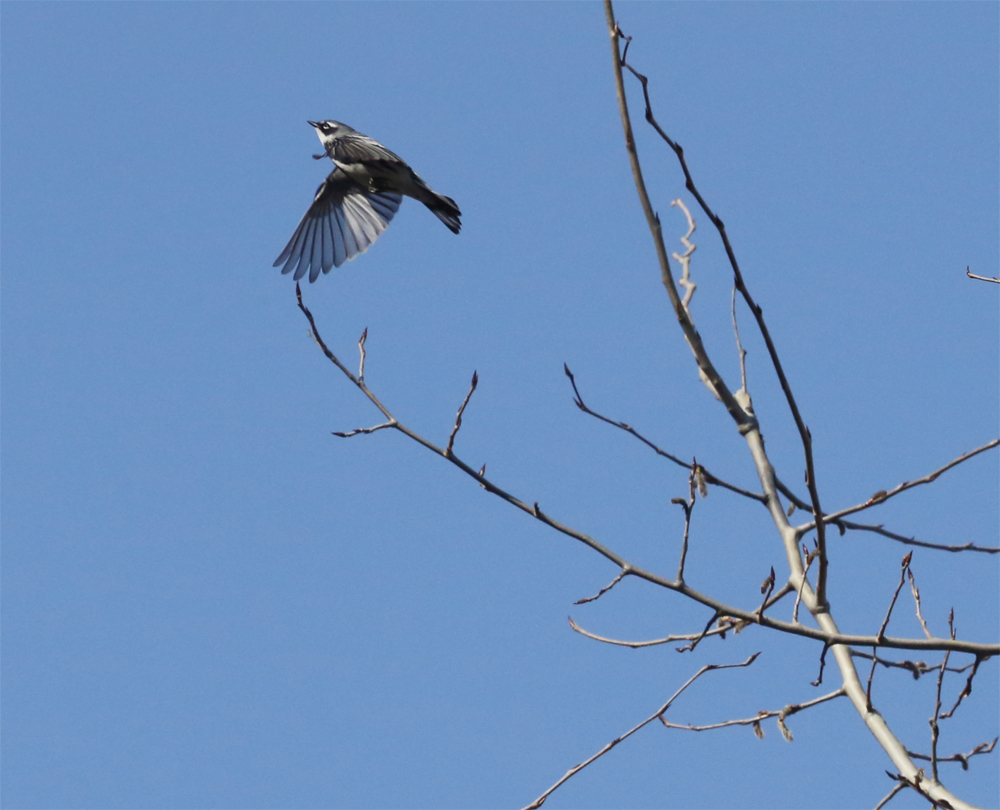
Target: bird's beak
[{"x": 313, "y": 123}]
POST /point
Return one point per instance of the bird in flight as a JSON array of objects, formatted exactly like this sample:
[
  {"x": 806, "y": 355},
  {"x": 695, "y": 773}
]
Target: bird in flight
[{"x": 356, "y": 202}]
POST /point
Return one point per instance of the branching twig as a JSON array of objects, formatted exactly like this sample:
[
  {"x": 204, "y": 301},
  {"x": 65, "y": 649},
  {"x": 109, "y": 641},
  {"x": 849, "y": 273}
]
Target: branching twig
[
  {"x": 915, "y": 668},
  {"x": 719, "y": 607},
  {"x": 688, "y": 507},
  {"x": 885, "y": 623},
  {"x": 738, "y": 414},
  {"x": 900, "y": 785},
  {"x": 754, "y": 721},
  {"x": 883, "y": 495},
  {"x": 577, "y": 768},
  {"x": 934, "y": 721},
  {"x": 709, "y": 478},
  {"x": 982, "y": 748},
  {"x": 809, "y": 557},
  {"x": 966, "y": 690},
  {"x": 690, "y": 647}
]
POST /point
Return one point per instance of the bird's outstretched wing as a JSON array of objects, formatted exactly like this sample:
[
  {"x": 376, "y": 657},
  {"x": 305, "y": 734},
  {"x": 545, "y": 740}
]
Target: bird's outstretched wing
[
  {"x": 357, "y": 148},
  {"x": 343, "y": 221}
]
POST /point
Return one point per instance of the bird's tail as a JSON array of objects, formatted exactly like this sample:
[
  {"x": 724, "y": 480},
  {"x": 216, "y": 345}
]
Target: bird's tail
[{"x": 445, "y": 209}]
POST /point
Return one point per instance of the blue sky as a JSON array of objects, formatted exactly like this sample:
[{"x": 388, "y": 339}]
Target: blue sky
[{"x": 209, "y": 601}]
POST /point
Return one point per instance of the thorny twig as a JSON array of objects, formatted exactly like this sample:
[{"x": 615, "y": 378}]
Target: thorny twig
[{"x": 577, "y": 768}]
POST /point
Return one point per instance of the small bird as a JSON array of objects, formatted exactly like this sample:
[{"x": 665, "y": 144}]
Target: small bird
[{"x": 356, "y": 202}]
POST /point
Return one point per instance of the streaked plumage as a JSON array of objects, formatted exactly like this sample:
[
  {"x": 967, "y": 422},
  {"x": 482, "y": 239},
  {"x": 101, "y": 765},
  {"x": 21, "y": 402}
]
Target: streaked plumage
[{"x": 356, "y": 202}]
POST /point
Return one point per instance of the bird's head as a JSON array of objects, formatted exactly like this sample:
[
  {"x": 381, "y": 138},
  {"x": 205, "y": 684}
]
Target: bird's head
[{"x": 328, "y": 132}]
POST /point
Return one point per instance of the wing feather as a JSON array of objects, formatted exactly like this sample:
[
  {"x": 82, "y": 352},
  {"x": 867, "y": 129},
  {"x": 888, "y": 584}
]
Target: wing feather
[{"x": 343, "y": 221}]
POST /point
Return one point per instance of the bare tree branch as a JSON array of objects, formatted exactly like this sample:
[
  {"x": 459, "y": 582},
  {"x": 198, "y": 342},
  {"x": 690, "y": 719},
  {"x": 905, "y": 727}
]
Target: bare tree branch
[
  {"x": 981, "y": 278},
  {"x": 621, "y": 575},
  {"x": 458, "y": 417},
  {"x": 781, "y": 714},
  {"x": 577, "y": 768},
  {"x": 709, "y": 477},
  {"x": 885, "y": 622},
  {"x": 726, "y": 623},
  {"x": 883, "y": 495},
  {"x": 703, "y": 362},
  {"x": 896, "y": 789},
  {"x": 982, "y": 748}
]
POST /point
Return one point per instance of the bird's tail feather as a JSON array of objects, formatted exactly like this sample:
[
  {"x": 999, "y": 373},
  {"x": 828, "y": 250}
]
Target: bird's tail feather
[{"x": 446, "y": 210}]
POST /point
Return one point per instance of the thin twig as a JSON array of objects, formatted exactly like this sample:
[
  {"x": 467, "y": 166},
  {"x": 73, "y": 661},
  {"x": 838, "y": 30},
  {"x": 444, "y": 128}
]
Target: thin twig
[
  {"x": 885, "y": 623},
  {"x": 767, "y": 586},
  {"x": 621, "y": 575},
  {"x": 739, "y": 415},
  {"x": 725, "y": 625},
  {"x": 361, "y": 350},
  {"x": 966, "y": 690},
  {"x": 365, "y": 431},
  {"x": 690, "y": 647},
  {"x": 912, "y": 541},
  {"x": 458, "y": 417},
  {"x": 781, "y": 714},
  {"x": 688, "y": 507},
  {"x": 739, "y": 346},
  {"x": 896, "y": 789},
  {"x": 822, "y": 665},
  {"x": 798, "y": 502},
  {"x": 883, "y": 495},
  {"x": 915, "y": 668},
  {"x": 577, "y": 768},
  {"x": 916, "y": 600},
  {"x": 981, "y": 278},
  {"x": 684, "y": 259},
  {"x": 809, "y": 557},
  {"x": 982, "y": 748},
  {"x": 934, "y": 721},
  {"x": 711, "y": 479}
]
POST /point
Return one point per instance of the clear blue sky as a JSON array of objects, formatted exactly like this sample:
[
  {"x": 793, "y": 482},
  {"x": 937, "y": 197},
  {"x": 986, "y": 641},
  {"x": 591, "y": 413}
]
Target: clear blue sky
[{"x": 211, "y": 602}]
